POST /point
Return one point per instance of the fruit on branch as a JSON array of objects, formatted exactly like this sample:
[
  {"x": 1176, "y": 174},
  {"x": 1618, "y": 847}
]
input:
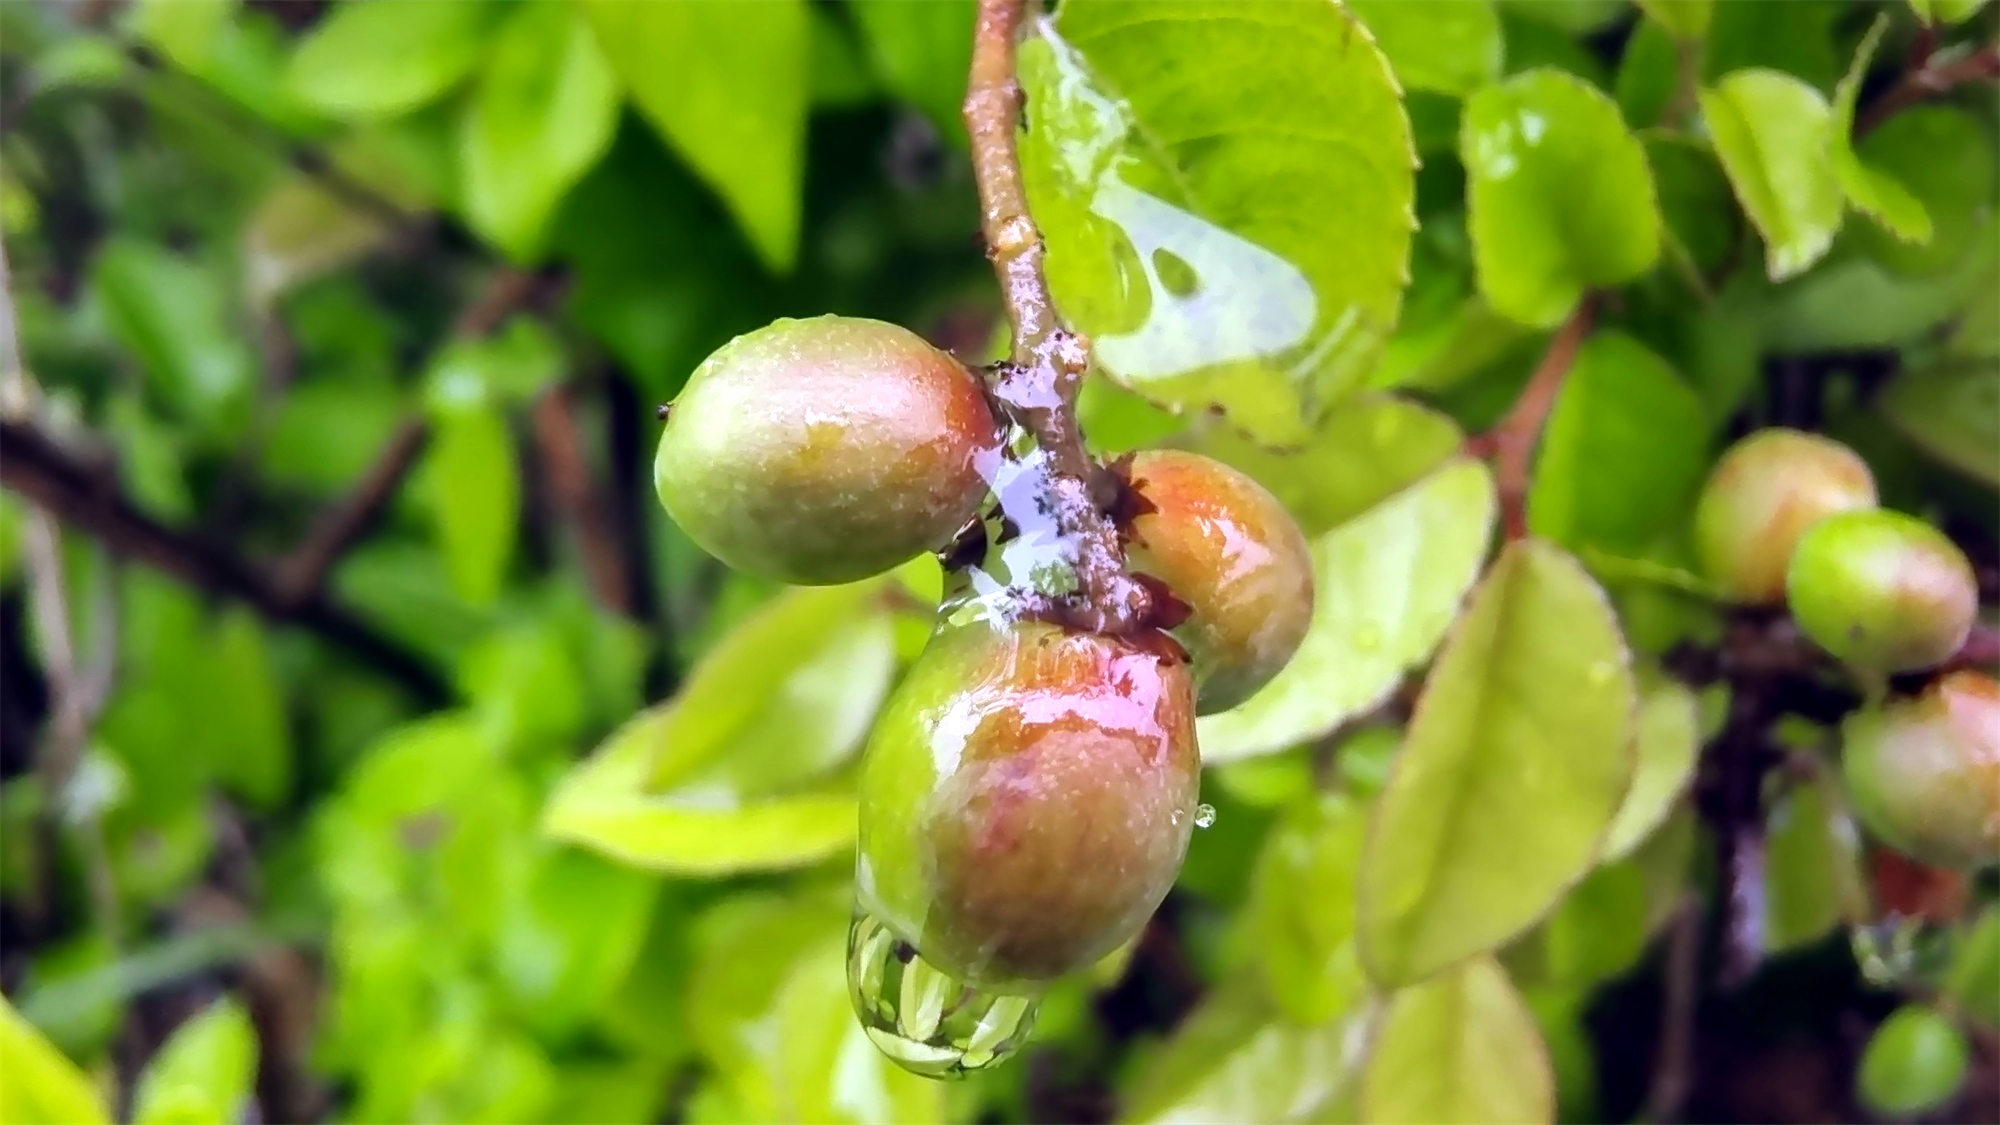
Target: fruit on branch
[
  {"x": 1882, "y": 591},
  {"x": 1027, "y": 797},
  {"x": 1228, "y": 549},
  {"x": 824, "y": 451},
  {"x": 1762, "y": 495},
  {"x": 1924, "y": 773}
]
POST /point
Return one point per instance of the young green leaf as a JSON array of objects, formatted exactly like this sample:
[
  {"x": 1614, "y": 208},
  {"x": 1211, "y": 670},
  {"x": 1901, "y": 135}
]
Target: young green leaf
[
  {"x": 1236, "y": 234},
  {"x": 1666, "y": 743},
  {"x": 204, "y": 1072},
  {"x": 1301, "y": 908},
  {"x": 379, "y": 60},
  {"x": 1561, "y": 198},
  {"x": 1770, "y": 130},
  {"x": 730, "y": 95},
  {"x": 1451, "y": 46},
  {"x": 922, "y": 53},
  {"x": 1458, "y": 1047},
  {"x": 1812, "y": 868},
  {"x": 1515, "y": 763},
  {"x": 42, "y": 1085},
  {"x": 1873, "y": 192},
  {"x": 1387, "y": 584},
  {"x": 542, "y": 112},
  {"x": 1236, "y": 1059},
  {"x": 1952, "y": 412},
  {"x": 470, "y": 486}
]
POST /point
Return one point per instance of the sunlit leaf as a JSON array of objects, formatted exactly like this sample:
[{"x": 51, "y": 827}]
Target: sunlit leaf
[
  {"x": 470, "y": 485},
  {"x": 1452, "y": 46},
  {"x": 730, "y": 95},
  {"x": 1386, "y": 585},
  {"x": 1952, "y": 412},
  {"x": 1770, "y": 130},
  {"x": 1236, "y": 1059},
  {"x": 378, "y": 60},
  {"x": 1236, "y": 234},
  {"x": 1301, "y": 909},
  {"x": 203, "y": 1073},
  {"x": 1872, "y": 191},
  {"x": 1458, "y": 1047},
  {"x": 1560, "y": 194},
  {"x": 1515, "y": 763},
  {"x": 42, "y": 1087},
  {"x": 542, "y": 113},
  {"x": 923, "y": 52},
  {"x": 1666, "y": 744}
]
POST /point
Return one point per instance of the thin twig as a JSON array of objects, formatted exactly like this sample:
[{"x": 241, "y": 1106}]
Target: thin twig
[
  {"x": 1680, "y": 985},
  {"x": 1928, "y": 81},
  {"x": 1038, "y": 386},
  {"x": 304, "y": 571},
  {"x": 1511, "y": 444},
  {"x": 578, "y": 498}
]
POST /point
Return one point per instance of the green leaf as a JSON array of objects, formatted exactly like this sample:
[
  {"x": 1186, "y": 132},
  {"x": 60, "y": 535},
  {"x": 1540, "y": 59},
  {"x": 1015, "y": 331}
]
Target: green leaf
[
  {"x": 1794, "y": 38},
  {"x": 1952, "y": 412},
  {"x": 525, "y": 684},
  {"x": 729, "y": 95},
  {"x": 1813, "y": 878},
  {"x": 1442, "y": 355},
  {"x": 1234, "y": 1059},
  {"x": 1687, "y": 19},
  {"x": 469, "y": 482},
  {"x": 1301, "y": 909},
  {"x": 1957, "y": 195},
  {"x": 379, "y": 60},
  {"x": 570, "y": 934},
  {"x": 507, "y": 367},
  {"x": 300, "y": 230},
  {"x": 203, "y": 1073},
  {"x": 1451, "y": 46},
  {"x": 1872, "y": 192},
  {"x": 1666, "y": 745},
  {"x": 829, "y": 1068},
  {"x": 1973, "y": 979},
  {"x": 42, "y": 1087},
  {"x": 243, "y": 712},
  {"x": 1232, "y": 235},
  {"x": 922, "y": 52},
  {"x": 840, "y": 75},
  {"x": 1516, "y": 760},
  {"x": 542, "y": 113},
  {"x": 185, "y": 31},
  {"x": 1649, "y": 78},
  {"x": 174, "y": 317},
  {"x": 1575, "y": 17},
  {"x": 1533, "y": 44},
  {"x": 1361, "y": 454},
  {"x": 1386, "y": 585},
  {"x": 1561, "y": 199},
  {"x": 1459, "y": 1047},
  {"x": 1623, "y": 450},
  {"x": 1855, "y": 304},
  {"x": 1770, "y": 131},
  {"x": 1694, "y": 198},
  {"x": 1946, "y": 11},
  {"x": 1913, "y": 1064}
]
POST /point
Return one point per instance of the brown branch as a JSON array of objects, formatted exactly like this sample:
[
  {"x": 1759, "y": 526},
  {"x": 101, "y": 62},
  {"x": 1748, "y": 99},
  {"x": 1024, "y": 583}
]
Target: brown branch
[
  {"x": 1038, "y": 386},
  {"x": 578, "y": 498},
  {"x": 304, "y": 571},
  {"x": 37, "y": 468},
  {"x": 1673, "y": 1069},
  {"x": 1928, "y": 81},
  {"x": 1511, "y": 444}
]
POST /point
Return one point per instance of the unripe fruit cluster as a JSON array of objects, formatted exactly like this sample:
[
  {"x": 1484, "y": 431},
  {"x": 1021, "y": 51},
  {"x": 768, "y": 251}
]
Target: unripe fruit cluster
[
  {"x": 1792, "y": 517},
  {"x": 1028, "y": 792}
]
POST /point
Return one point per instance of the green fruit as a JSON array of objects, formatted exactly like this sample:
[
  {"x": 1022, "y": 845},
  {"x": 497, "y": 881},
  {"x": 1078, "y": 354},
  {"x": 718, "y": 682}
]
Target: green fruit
[
  {"x": 1027, "y": 797},
  {"x": 1924, "y": 774},
  {"x": 1882, "y": 591},
  {"x": 1913, "y": 1063},
  {"x": 1228, "y": 549},
  {"x": 825, "y": 451},
  {"x": 1763, "y": 494}
]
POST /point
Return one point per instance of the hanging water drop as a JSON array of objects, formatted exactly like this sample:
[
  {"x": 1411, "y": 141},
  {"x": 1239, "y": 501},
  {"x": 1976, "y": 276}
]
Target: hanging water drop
[
  {"x": 1204, "y": 815},
  {"x": 927, "y": 1021}
]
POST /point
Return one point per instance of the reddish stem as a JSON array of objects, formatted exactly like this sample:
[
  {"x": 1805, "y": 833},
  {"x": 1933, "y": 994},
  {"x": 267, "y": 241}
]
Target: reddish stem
[
  {"x": 1929, "y": 81},
  {"x": 1511, "y": 444}
]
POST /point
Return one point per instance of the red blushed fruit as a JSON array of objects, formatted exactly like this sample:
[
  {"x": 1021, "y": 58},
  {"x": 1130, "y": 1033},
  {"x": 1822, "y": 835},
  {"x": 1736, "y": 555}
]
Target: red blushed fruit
[
  {"x": 1027, "y": 798},
  {"x": 1762, "y": 495},
  {"x": 1924, "y": 774},
  {"x": 1230, "y": 551}
]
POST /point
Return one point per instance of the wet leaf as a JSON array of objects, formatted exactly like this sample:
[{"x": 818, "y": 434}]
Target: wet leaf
[
  {"x": 1301, "y": 908},
  {"x": 1386, "y": 585},
  {"x": 1459, "y": 1047},
  {"x": 202, "y": 1073},
  {"x": 42, "y": 1087},
  {"x": 1770, "y": 130},
  {"x": 1236, "y": 234},
  {"x": 1451, "y": 46},
  {"x": 379, "y": 60},
  {"x": 1871, "y": 191},
  {"x": 1561, "y": 198},
  {"x": 730, "y": 95},
  {"x": 1516, "y": 760}
]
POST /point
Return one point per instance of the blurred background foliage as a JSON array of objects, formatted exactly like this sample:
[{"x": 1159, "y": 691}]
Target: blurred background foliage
[{"x": 365, "y": 307}]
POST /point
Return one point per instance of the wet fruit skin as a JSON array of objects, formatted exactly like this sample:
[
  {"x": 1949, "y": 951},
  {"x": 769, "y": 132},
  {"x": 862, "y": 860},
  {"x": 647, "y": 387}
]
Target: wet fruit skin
[
  {"x": 826, "y": 450},
  {"x": 1882, "y": 591},
  {"x": 1227, "y": 548},
  {"x": 1923, "y": 774},
  {"x": 1026, "y": 798},
  {"x": 1763, "y": 494}
]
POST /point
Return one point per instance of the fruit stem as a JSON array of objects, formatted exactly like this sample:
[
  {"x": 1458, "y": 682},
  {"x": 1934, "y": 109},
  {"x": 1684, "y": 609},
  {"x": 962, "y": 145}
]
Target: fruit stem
[
  {"x": 1511, "y": 444},
  {"x": 1037, "y": 386},
  {"x": 1927, "y": 80}
]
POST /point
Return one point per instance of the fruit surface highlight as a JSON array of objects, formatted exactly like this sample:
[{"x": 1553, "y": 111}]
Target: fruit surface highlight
[
  {"x": 1763, "y": 494},
  {"x": 1026, "y": 798},
  {"x": 1882, "y": 591},
  {"x": 824, "y": 451},
  {"x": 1923, "y": 774},
  {"x": 1226, "y": 547}
]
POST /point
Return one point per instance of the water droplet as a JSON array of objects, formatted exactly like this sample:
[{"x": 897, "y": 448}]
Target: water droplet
[
  {"x": 927, "y": 1021},
  {"x": 1204, "y": 815},
  {"x": 1368, "y": 637}
]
